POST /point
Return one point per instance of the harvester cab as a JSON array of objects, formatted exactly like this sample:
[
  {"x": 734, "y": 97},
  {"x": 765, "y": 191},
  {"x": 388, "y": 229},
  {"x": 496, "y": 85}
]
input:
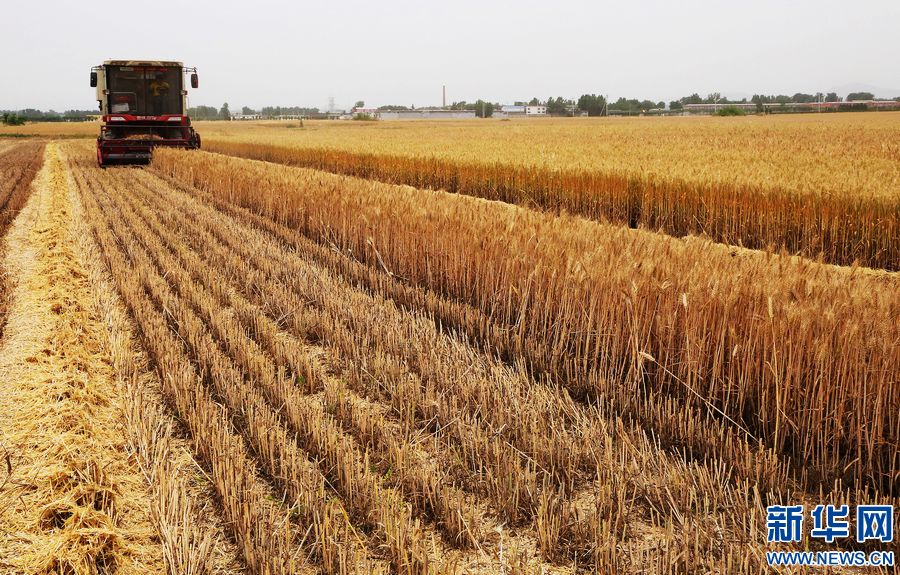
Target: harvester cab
[{"x": 143, "y": 104}]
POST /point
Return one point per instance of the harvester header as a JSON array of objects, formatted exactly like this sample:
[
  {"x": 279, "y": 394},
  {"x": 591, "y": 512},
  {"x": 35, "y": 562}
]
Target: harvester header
[{"x": 144, "y": 105}]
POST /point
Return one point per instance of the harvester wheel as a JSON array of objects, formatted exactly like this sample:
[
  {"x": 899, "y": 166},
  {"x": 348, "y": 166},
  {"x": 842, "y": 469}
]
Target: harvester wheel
[{"x": 100, "y": 158}]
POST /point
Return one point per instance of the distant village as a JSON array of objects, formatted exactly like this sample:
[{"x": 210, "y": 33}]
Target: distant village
[
  {"x": 586, "y": 105},
  {"x": 410, "y": 114},
  {"x": 572, "y": 110}
]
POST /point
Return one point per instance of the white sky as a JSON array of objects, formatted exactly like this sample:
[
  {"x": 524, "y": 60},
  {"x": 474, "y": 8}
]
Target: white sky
[{"x": 270, "y": 52}]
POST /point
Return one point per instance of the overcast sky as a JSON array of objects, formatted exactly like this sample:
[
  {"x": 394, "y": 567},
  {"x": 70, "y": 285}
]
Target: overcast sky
[{"x": 279, "y": 52}]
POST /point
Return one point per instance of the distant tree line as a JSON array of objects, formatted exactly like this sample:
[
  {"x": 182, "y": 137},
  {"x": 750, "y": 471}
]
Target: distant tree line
[
  {"x": 18, "y": 117},
  {"x": 596, "y": 105},
  {"x": 224, "y": 113},
  {"x": 11, "y": 119},
  {"x": 273, "y": 111},
  {"x": 586, "y": 104},
  {"x": 204, "y": 113},
  {"x": 761, "y": 99},
  {"x": 635, "y": 106},
  {"x": 395, "y": 108}
]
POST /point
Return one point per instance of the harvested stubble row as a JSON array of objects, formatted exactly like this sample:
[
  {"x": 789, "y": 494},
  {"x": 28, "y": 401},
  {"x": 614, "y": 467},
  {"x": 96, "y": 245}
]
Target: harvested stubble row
[
  {"x": 374, "y": 507},
  {"x": 189, "y": 528},
  {"x": 266, "y": 288},
  {"x": 265, "y": 540},
  {"x": 19, "y": 163},
  {"x": 556, "y": 451},
  {"x": 666, "y": 494},
  {"x": 72, "y": 499},
  {"x": 306, "y": 417},
  {"x": 797, "y": 354},
  {"x": 333, "y": 540},
  {"x": 425, "y": 484},
  {"x": 587, "y": 537},
  {"x": 379, "y": 508},
  {"x": 839, "y": 228}
]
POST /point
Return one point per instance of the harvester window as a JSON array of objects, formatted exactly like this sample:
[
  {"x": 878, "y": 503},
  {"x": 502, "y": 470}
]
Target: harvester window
[{"x": 145, "y": 90}]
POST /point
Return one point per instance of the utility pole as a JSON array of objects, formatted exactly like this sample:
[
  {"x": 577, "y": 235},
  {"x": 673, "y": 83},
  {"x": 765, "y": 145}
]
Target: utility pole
[{"x": 445, "y": 97}]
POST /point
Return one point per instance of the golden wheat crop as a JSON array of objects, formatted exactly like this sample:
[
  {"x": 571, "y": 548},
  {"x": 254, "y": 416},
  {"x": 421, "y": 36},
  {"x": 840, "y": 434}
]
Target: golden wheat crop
[
  {"x": 375, "y": 378},
  {"x": 826, "y": 188},
  {"x": 822, "y": 185},
  {"x": 827, "y": 154},
  {"x": 821, "y": 154}
]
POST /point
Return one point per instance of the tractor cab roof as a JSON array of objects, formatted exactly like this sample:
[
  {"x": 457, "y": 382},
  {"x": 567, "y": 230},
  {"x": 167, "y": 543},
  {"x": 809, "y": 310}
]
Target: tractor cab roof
[{"x": 161, "y": 63}]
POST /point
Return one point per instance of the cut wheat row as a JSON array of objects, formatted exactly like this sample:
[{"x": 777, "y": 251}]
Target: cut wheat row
[
  {"x": 267, "y": 288},
  {"x": 266, "y": 545},
  {"x": 508, "y": 478},
  {"x": 428, "y": 492},
  {"x": 371, "y": 503},
  {"x": 170, "y": 268},
  {"x": 190, "y": 536},
  {"x": 334, "y": 537},
  {"x": 684, "y": 429},
  {"x": 451, "y": 508},
  {"x": 742, "y": 336},
  {"x": 405, "y": 396},
  {"x": 19, "y": 164}
]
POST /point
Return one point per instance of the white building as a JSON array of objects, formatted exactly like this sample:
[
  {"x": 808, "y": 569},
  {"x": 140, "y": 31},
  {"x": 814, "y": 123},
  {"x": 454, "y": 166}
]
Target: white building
[
  {"x": 512, "y": 110},
  {"x": 506, "y": 111}
]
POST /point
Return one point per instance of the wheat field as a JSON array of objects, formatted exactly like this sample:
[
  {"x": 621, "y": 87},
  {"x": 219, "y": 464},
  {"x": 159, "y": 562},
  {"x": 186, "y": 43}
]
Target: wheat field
[
  {"x": 335, "y": 362},
  {"x": 820, "y": 188}
]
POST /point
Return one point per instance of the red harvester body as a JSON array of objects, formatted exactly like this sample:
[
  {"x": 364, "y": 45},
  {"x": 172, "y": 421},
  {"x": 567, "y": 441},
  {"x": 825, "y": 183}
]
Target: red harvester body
[{"x": 143, "y": 105}]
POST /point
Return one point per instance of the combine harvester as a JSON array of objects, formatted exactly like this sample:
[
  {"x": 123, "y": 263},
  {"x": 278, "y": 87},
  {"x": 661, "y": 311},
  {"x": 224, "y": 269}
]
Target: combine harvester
[{"x": 144, "y": 105}]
